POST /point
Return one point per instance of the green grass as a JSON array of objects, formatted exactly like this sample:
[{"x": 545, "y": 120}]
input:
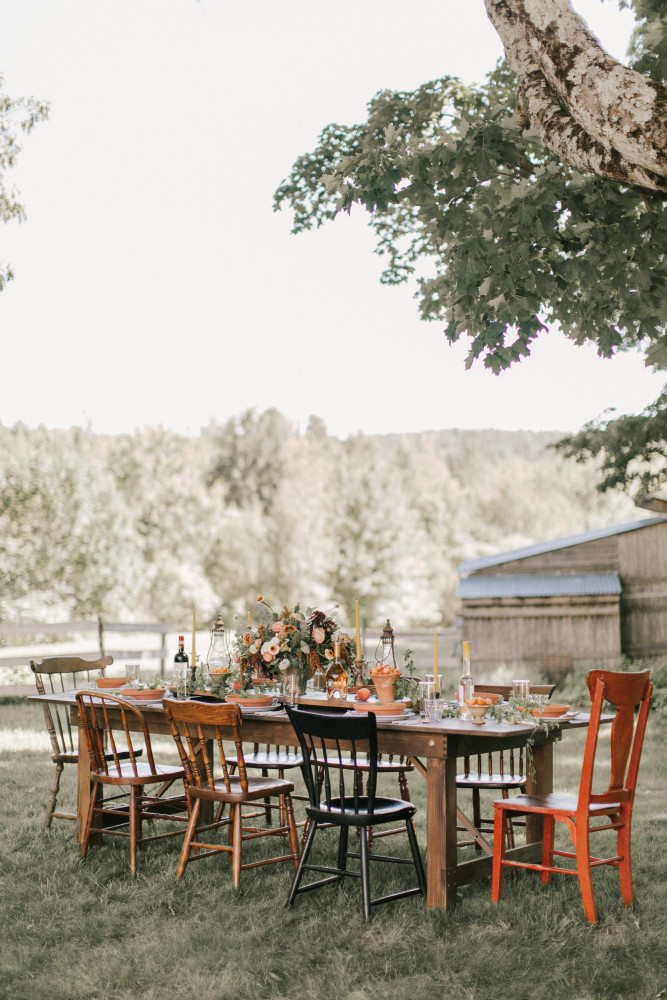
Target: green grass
[{"x": 75, "y": 930}]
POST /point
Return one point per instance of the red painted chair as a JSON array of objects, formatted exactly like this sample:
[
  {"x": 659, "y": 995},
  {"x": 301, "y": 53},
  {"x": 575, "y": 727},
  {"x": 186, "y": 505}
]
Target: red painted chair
[{"x": 590, "y": 812}]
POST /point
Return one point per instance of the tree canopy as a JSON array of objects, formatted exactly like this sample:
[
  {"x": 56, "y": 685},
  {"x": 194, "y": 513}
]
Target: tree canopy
[
  {"x": 536, "y": 198},
  {"x": 17, "y": 115}
]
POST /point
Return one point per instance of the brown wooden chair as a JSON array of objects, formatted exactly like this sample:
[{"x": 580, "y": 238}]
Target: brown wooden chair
[
  {"x": 589, "y": 812},
  {"x": 187, "y": 721},
  {"x": 56, "y": 675},
  {"x": 114, "y": 752},
  {"x": 496, "y": 772}
]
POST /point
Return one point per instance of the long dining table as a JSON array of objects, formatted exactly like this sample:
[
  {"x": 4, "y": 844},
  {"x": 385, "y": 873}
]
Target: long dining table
[{"x": 433, "y": 747}]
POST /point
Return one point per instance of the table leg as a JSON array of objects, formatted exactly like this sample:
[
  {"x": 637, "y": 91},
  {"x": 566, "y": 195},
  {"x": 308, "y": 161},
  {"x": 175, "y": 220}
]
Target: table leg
[
  {"x": 84, "y": 787},
  {"x": 441, "y": 832},
  {"x": 540, "y": 781}
]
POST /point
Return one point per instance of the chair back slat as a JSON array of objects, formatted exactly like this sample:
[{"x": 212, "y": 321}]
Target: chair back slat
[
  {"x": 624, "y": 691},
  {"x": 187, "y": 720},
  {"x": 315, "y": 731}
]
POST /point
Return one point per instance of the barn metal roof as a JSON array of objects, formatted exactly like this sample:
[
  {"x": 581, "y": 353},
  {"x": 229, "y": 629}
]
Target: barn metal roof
[
  {"x": 470, "y": 565},
  {"x": 539, "y": 585}
]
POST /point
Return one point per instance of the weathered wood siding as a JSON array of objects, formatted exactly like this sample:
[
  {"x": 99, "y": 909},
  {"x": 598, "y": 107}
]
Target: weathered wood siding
[
  {"x": 643, "y": 572},
  {"x": 542, "y": 636}
]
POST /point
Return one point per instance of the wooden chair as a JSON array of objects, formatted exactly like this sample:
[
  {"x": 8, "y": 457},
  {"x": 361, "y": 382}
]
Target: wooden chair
[
  {"x": 187, "y": 720},
  {"x": 321, "y": 738},
  {"x": 56, "y": 675},
  {"x": 114, "y": 762},
  {"x": 589, "y": 812},
  {"x": 495, "y": 772}
]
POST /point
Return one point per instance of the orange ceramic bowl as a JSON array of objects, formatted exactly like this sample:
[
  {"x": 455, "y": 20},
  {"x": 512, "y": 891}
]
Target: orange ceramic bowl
[
  {"x": 250, "y": 700},
  {"x": 393, "y": 708},
  {"x": 110, "y": 682},
  {"x": 551, "y": 711}
]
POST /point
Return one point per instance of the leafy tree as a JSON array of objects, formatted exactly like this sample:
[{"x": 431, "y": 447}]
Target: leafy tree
[
  {"x": 249, "y": 459},
  {"x": 537, "y": 198},
  {"x": 17, "y": 114}
]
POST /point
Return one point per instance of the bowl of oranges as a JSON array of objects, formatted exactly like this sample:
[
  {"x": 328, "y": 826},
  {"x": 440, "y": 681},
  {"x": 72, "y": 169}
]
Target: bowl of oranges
[{"x": 477, "y": 707}]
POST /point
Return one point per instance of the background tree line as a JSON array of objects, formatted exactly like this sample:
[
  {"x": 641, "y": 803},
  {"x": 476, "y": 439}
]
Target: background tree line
[{"x": 148, "y": 525}]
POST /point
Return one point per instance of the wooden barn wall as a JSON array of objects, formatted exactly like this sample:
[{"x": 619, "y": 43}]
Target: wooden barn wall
[
  {"x": 599, "y": 556},
  {"x": 643, "y": 571},
  {"x": 545, "y": 636}
]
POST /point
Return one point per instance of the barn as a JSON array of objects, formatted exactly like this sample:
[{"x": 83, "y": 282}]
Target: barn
[{"x": 588, "y": 598}]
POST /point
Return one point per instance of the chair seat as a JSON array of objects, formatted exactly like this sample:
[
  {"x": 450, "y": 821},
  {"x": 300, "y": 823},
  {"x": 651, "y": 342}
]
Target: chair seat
[
  {"x": 383, "y": 766},
  {"x": 384, "y": 811},
  {"x": 258, "y": 788},
  {"x": 125, "y": 774},
  {"x": 491, "y": 780},
  {"x": 565, "y": 805}
]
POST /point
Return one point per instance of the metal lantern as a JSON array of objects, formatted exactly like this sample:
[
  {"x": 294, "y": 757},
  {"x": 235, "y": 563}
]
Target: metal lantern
[
  {"x": 384, "y": 653},
  {"x": 219, "y": 654}
]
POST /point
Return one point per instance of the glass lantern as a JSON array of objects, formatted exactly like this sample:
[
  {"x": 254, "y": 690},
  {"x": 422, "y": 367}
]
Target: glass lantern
[
  {"x": 219, "y": 655},
  {"x": 384, "y": 653}
]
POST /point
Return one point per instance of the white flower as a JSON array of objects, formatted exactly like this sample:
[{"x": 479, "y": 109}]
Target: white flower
[{"x": 272, "y": 647}]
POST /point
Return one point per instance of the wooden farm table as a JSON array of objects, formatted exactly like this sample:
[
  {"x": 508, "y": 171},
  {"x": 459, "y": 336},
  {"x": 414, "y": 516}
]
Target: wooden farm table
[{"x": 434, "y": 748}]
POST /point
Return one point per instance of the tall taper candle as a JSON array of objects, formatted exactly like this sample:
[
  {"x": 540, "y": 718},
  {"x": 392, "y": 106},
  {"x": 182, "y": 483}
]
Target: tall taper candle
[
  {"x": 356, "y": 611},
  {"x": 248, "y": 619},
  {"x": 193, "y": 663},
  {"x": 435, "y": 660}
]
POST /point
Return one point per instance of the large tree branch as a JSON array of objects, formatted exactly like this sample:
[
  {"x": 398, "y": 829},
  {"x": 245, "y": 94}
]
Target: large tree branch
[{"x": 592, "y": 111}]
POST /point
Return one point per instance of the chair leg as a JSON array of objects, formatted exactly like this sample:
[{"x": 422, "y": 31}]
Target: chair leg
[
  {"x": 342, "y": 850},
  {"x": 365, "y": 878},
  {"x": 585, "y": 872},
  {"x": 298, "y": 874},
  {"x": 498, "y": 854},
  {"x": 51, "y": 804},
  {"x": 237, "y": 844},
  {"x": 267, "y": 803},
  {"x": 189, "y": 834},
  {"x": 548, "y": 833},
  {"x": 509, "y": 827},
  {"x": 416, "y": 855},
  {"x": 89, "y": 821},
  {"x": 625, "y": 866},
  {"x": 135, "y": 796},
  {"x": 287, "y": 809}
]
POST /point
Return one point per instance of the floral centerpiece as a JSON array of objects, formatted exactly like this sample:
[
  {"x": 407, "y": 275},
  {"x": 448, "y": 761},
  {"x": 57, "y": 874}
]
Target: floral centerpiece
[{"x": 291, "y": 640}]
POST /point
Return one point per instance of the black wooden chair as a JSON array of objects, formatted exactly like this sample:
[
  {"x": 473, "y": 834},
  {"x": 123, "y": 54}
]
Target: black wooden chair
[{"x": 322, "y": 739}]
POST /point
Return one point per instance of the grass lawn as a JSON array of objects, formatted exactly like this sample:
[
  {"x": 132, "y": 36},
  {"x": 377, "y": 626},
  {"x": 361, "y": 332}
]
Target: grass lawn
[{"x": 75, "y": 930}]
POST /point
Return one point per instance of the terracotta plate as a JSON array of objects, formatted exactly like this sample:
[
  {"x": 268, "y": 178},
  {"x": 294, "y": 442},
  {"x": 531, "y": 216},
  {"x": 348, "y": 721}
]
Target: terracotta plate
[
  {"x": 144, "y": 694},
  {"x": 551, "y": 711},
  {"x": 110, "y": 682},
  {"x": 393, "y": 708},
  {"x": 250, "y": 701}
]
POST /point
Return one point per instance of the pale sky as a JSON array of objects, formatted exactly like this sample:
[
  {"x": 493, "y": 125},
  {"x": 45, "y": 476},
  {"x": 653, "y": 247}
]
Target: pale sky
[{"x": 155, "y": 285}]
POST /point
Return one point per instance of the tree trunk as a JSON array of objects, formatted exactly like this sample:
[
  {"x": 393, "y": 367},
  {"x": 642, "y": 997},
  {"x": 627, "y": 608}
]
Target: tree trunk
[{"x": 590, "y": 110}]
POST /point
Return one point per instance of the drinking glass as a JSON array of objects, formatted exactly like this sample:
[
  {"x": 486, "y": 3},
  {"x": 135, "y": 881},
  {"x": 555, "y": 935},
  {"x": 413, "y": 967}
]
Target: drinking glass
[
  {"x": 433, "y": 709},
  {"x": 521, "y": 688},
  {"x": 132, "y": 671},
  {"x": 290, "y": 688},
  {"x": 181, "y": 678},
  {"x": 426, "y": 691}
]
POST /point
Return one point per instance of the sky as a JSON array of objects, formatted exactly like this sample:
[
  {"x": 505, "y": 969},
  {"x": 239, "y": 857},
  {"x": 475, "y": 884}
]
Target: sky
[{"x": 154, "y": 283}]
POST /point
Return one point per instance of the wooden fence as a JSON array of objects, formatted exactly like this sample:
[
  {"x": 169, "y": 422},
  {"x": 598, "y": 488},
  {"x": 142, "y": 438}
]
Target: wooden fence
[{"x": 101, "y": 630}]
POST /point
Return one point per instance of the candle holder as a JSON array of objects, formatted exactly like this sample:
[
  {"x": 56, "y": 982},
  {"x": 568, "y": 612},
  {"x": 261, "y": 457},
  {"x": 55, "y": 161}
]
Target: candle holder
[{"x": 384, "y": 652}]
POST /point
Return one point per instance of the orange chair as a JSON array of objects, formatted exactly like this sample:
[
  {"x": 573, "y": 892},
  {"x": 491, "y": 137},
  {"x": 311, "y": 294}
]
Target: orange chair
[{"x": 590, "y": 812}]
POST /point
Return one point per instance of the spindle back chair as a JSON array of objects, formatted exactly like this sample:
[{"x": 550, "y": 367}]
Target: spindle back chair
[
  {"x": 192, "y": 724},
  {"x": 121, "y": 756},
  {"x": 57, "y": 675}
]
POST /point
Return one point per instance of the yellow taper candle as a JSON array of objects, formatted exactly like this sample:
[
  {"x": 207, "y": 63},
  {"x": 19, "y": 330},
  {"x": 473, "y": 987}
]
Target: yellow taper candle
[
  {"x": 356, "y": 611},
  {"x": 435, "y": 660},
  {"x": 194, "y": 629},
  {"x": 248, "y": 619}
]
